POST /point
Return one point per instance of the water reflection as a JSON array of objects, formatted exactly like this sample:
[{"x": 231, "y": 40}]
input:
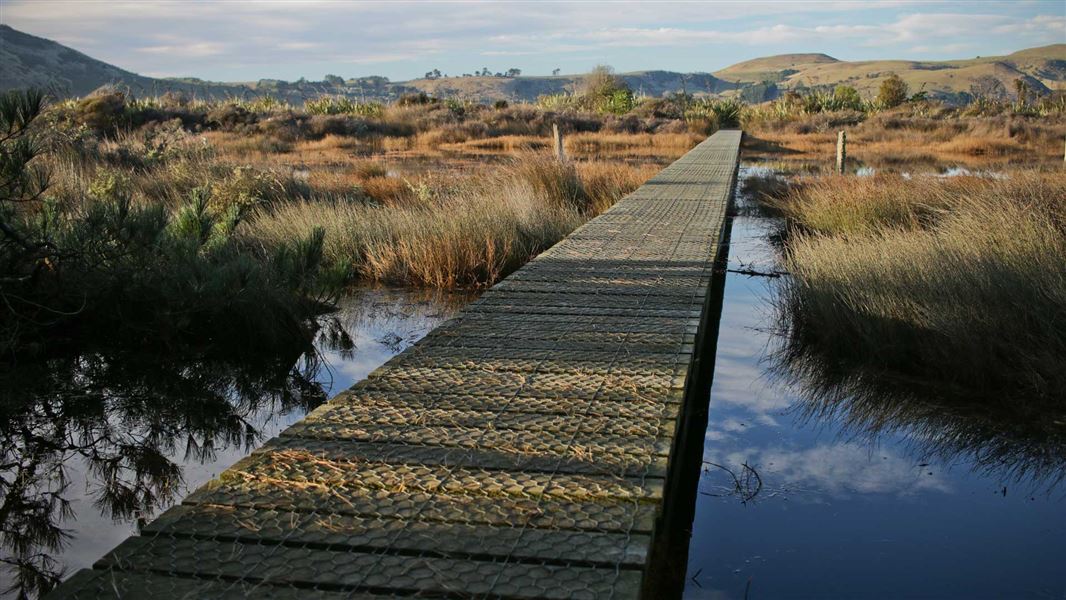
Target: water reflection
[
  {"x": 93, "y": 446},
  {"x": 1011, "y": 441},
  {"x": 127, "y": 422},
  {"x": 866, "y": 488}
]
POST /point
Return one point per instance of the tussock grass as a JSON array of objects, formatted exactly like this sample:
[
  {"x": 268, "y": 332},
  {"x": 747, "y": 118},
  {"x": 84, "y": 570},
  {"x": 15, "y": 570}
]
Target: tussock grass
[
  {"x": 614, "y": 143},
  {"x": 955, "y": 281},
  {"x": 504, "y": 143},
  {"x": 604, "y": 183},
  {"x": 909, "y": 136},
  {"x": 845, "y": 206},
  {"x": 469, "y": 234}
]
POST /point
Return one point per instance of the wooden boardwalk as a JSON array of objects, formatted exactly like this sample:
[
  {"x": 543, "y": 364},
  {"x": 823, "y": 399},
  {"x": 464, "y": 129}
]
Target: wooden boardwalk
[{"x": 520, "y": 450}]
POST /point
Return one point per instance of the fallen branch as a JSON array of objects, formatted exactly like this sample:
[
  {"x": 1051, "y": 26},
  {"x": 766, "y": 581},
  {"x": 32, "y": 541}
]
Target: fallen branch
[{"x": 754, "y": 273}]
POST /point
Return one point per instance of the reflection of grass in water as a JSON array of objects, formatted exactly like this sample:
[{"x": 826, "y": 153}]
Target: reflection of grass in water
[
  {"x": 126, "y": 419},
  {"x": 1009, "y": 440}
]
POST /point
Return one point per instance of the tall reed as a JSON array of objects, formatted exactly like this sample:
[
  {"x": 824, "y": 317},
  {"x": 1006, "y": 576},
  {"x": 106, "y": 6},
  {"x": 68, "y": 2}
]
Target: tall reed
[{"x": 960, "y": 282}]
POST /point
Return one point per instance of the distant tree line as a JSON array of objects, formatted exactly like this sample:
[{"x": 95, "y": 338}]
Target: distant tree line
[{"x": 485, "y": 72}]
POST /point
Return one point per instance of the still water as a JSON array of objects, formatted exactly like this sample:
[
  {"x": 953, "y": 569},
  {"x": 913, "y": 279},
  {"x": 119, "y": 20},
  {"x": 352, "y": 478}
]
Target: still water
[
  {"x": 94, "y": 446},
  {"x": 810, "y": 494}
]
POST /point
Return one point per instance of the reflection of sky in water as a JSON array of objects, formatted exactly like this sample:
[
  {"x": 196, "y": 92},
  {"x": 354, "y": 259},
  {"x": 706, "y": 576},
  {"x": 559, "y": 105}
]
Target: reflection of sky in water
[
  {"x": 845, "y": 517},
  {"x": 381, "y": 323}
]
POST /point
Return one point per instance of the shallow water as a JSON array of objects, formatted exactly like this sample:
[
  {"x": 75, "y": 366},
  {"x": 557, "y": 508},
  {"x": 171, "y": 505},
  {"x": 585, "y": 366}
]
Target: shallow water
[
  {"x": 821, "y": 511},
  {"x": 95, "y": 446}
]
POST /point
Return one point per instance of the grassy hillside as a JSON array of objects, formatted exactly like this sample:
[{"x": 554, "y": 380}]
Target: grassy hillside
[
  {"x": 30, "y": 61},
  {"x": 1044, "y": 69},
  {"x": 772, "y": 68},
  {"x": 27, "y": 60}
]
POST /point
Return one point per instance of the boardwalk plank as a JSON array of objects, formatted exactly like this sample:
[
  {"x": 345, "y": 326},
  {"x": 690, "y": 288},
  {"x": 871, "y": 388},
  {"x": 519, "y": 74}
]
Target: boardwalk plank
[{"x": 519, "y": 450}]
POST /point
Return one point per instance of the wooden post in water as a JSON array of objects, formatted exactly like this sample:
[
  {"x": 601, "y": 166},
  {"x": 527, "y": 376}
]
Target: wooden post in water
[
  {"x": 560, "y": 154},
  {"x": 842, "y": 151}
]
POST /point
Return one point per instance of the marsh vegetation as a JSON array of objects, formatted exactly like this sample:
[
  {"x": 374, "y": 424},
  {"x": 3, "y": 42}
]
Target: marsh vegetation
[
  {"x": 210, "y": 230},
  {"x": 957, "y": 282}
]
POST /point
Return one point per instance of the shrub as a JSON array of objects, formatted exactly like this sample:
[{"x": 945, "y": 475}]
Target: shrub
[
  {"x": 557, "y": 102},
  {"x": 342, "y": 105},
  {"x": 846, "y": 97},
  {"x": 104, "y": 111},
  {"x": 416, "y": 99},
  {"x": 893, "y": 92},
  {"x": 98, "y": 265},
  {"x": 618, "y": 102},
  {"x": 230, "y": 116},
  {"x": 601, "y": 82},
  {"x": 458, "y": 107},
  {"x": 661, "y": 108},
  {"x": 719, "y": 113},
  {"x": 319, "y": 126}
]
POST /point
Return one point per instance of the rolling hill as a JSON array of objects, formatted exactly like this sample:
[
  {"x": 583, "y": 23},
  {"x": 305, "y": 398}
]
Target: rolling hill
[
  {"x": 482, "y": 89},
  {"x": 30, "y": 61},
  {"x": 772, "y": 68},
  {"x": 1043, "y": 69},
  {"x": 27, "y": 60}
]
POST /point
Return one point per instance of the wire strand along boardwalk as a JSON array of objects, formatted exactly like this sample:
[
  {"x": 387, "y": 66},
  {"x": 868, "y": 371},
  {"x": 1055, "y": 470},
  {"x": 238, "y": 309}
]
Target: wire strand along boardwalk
[{"x": 519, "y": 450}]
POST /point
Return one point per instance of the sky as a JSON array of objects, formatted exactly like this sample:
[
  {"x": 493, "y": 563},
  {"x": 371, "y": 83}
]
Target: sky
[{"x": 245, "y": 40}]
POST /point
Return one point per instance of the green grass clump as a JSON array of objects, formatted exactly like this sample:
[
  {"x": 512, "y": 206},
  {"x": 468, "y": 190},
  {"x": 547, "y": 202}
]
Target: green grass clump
[
  {"x": 340, "y": 105},
  {"x": 145, "y": 274},
  {"x": 956, "y": 283},
  {"x": 723, "y": 113},
  {"x": 93, "y": 263}
]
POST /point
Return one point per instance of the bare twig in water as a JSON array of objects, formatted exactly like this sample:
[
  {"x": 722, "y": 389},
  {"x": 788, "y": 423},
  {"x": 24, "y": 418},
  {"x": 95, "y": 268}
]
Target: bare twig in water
[
  {"x": 747, "y": 269},
  {"x": 753, "y": 273},
  {"x": 747, "y": 485}
]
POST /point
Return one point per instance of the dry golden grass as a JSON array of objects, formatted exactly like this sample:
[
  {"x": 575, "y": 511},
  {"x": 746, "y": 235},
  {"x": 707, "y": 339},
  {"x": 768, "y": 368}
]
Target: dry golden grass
[
  {"x": 396, "y": 144},
  {"x": 578, "y": 145},
  {"x": 461, "y": 241},
  {"x": 232, "y": 146},
  {"x": 388, "y": 190},
  {"x": 403, "y": 210},
  {"x": 957, "y": 281},
  {"x": 847, "y": 205},
  {"x": 980, "y": 146},
  {"x": 606, "y": 182},
  {"x": 887, "y": 140},
  {"x": 332, "y": 144},
  {"x": 504, "y": 143},
  {"x": 669, "y": 145},
  {"x": 455, "y": 233}
]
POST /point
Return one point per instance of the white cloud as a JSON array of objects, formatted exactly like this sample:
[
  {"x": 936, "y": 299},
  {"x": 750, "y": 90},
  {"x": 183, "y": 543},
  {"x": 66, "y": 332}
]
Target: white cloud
[
  {"x": 266, "y": 37},
  {"x": 193, "y": 50},
  {"x": 299, "y": 45},
  {"x": 840, "y": 470}
]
